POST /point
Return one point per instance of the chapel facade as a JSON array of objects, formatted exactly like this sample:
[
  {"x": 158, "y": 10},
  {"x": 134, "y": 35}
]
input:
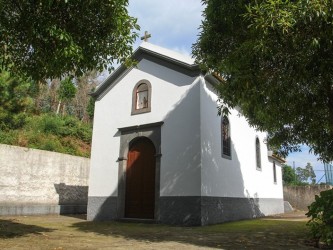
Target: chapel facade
[{"x": 160, "y": 151}]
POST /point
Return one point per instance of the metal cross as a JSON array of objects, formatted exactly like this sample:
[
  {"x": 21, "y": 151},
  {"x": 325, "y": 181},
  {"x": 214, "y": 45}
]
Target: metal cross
[{"x": 146, "y": 36}]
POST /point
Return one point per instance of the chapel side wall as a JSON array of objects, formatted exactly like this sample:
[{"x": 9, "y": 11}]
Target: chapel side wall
[
  {"x": 235, "y": 183},
  {"x": 41, "y": 182},
  {"x": 113, "y": 111}
]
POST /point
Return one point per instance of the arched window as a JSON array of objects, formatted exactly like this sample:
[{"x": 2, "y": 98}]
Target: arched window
[
  {"x": 141, "y": 99},
  {"x": 225, "y": 138},
  {"x": 258, "y": 155},
  {"x": 141, "y": 96}
]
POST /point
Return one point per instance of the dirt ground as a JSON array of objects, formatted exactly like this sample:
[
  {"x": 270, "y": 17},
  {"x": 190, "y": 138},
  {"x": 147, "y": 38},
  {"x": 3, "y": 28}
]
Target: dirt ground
[{"x": 56, "y": 232}]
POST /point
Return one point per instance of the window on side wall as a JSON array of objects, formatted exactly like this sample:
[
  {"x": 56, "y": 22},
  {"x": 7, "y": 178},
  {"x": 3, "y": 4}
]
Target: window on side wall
[
  {"x": 225, "y": 138},
  {"x": 141, "y": 97},
  {"x": 258, "y": 155},
  {"x": 274, "y": 172}
]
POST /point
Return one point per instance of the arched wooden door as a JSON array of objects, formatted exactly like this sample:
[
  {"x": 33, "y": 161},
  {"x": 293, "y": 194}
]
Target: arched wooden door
[{"x": 140, "y": 180}]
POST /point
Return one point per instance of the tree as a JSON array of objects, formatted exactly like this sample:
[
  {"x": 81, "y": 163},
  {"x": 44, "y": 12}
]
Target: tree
[
  {"x": 90, "y": 109},
  {"x": 69, "y": 96},
  {"x": 304, "y": 174},
  {"x": 66, "y": 92},
  {"x": 48, "y": 39},
  {"x": 321, "y": 222},
  {"x": 288, "y": 175},
  {"x": 84, "y": 103},
  {"x": 276, "y": 59},
  {"x": 15, "y": 100},
  {"x": 300, "y": 176}
]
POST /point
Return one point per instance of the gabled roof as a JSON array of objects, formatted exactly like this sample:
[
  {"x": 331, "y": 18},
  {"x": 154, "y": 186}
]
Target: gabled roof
[
  {"x": 171, "y": 54},
  {"x": 145, "y": 50}
]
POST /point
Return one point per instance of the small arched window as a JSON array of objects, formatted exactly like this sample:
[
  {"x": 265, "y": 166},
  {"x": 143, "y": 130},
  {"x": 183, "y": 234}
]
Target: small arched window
[
  {"x": 141, "y": 99},
  {"x": 258, "y": 155},
  {"x": 225, "y": 138},
  {"x": 141, "y": 96}
]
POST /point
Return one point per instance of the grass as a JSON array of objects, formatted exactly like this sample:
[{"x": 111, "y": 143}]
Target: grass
[{"x": 61, "y": 232}]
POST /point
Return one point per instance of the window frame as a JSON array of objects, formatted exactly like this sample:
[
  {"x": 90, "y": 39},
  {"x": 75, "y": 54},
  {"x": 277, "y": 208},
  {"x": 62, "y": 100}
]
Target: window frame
[
  {"x": 258, "y": 154},
  {"x": 136, "y": 111},
  {"x": 226, "y": 155}
]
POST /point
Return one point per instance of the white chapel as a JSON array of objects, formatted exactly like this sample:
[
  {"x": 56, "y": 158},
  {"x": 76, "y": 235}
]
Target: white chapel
[{"x": 160, "y": 152}]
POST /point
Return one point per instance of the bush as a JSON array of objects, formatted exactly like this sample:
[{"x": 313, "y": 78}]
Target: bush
[
  {"x": 75, "y": 128},
  {"x": 51, "y": 124},
  {"x": 52, "y": 145},
  {"x": 12, "y": 121},
  {"x": 8, "y": 137},
  {"x": 321, "y": 222},
  {"x": 63, "y": 134},
  {"x": 45, "y": 123}
]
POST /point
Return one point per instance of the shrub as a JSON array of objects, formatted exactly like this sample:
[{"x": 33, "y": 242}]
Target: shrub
[
  {"x": 52, "y": 145},
  {"x": 63, "y": 134},
  {"x": 12, "y": 121},
  {"x": 51, "y": 124},
  {"x": 8, "y": 137},
  {"x": 321, "y": 222},
  {"x": 75, "y": 128}
]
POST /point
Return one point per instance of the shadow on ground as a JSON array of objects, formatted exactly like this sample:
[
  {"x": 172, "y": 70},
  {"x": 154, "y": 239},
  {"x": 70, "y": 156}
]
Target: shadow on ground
[
  {"x": 252, "y": 234},
  {"x": 11, "y": 228}
]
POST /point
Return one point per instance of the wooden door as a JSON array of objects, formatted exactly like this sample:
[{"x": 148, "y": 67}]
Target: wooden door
[{"x": 140, "y": 180}]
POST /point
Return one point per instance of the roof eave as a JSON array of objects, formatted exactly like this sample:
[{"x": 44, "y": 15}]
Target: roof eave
[{"x": 277, "y": 158}]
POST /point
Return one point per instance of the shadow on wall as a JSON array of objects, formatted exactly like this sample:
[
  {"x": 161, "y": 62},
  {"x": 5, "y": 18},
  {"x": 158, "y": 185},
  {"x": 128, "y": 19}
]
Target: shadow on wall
[
  {"x": 181, "y": 163},
  {"x": 199, "y": 187},
  {"x": 224, "y": 196},
  {"x": 102, "y": 210},
  {"x": 72, "y": 199},
  {"x": 231, "y": 203}
]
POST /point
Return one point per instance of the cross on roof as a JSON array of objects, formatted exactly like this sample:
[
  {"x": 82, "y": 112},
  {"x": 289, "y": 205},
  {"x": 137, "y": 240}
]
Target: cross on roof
[{"x": 146, "y": 36}]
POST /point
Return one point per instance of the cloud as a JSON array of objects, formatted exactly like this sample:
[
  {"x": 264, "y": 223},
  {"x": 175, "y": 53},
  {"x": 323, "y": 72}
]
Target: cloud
[{"x": 172, "y": 24}]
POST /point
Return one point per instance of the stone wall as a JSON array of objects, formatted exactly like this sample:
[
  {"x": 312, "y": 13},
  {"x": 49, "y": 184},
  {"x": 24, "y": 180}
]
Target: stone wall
[
  {"x": 300, "y": 197},
  {"x": 42, "y": 182}
]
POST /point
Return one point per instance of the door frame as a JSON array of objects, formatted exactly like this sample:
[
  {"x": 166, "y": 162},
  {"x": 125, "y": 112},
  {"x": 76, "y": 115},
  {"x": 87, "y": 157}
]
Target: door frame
[{"x": 128, "y": 135}]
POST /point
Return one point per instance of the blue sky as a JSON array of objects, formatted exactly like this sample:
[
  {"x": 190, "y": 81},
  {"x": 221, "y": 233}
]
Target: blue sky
[{"x": 174, "y": 24}]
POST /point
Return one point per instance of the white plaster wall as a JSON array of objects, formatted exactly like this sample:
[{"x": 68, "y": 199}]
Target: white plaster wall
[
  {"x": 170, "y": 94},
  {"x": 31, "y": 176},
  {"x": 181, "y": 157},
  {"x": 237, "y": 177}
]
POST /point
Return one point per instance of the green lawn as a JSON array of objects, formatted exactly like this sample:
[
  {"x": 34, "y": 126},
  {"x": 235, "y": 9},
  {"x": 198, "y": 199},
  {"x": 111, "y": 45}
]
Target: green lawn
[{"x": 63, "y": 232}]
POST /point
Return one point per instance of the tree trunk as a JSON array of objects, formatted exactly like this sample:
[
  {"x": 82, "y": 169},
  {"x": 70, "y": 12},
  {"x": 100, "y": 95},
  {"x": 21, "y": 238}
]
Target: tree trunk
[
  {"x": 64, "y": 109},
  {"x": 58, "y": 108}
]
